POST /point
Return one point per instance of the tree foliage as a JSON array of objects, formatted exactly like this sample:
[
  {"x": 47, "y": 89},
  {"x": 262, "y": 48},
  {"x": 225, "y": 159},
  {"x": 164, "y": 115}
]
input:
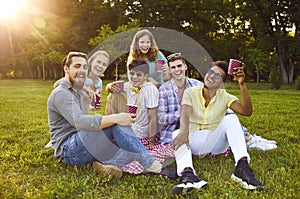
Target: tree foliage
[{"x": 253, "y": 31}]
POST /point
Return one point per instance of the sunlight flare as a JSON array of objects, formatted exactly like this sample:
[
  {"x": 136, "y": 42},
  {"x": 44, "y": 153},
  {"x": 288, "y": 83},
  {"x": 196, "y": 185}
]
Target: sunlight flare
[{"x": 9, "y": 8}]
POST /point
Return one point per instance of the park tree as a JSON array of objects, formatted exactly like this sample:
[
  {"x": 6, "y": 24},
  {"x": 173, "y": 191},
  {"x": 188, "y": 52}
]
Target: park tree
[
  {"x": 256, "y": 60},
  {"x": 39, "y": 53},
  {"x": 116, "y": 43},
  {"x": 227, "y": 28},
  {"x": 275, "y": 24},
  {"x": 216, "y": 25},
  {"x": 52, "y": 29}
]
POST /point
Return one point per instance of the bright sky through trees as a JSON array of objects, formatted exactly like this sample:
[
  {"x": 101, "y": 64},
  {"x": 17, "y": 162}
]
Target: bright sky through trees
[{"x": 9, "y": 8}]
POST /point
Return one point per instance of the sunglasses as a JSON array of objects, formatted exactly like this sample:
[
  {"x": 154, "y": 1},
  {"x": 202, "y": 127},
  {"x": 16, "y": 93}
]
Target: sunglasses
[
  {"x": 138, "y": 74},
  {"x": 216, "y": 75},
  {"x": 75, "y": 54},
  {"x": 174, "y": 56}
]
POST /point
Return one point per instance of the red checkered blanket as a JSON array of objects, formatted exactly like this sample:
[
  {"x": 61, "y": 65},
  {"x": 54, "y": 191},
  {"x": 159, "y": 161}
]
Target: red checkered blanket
[{"x": 160, "y": 152}]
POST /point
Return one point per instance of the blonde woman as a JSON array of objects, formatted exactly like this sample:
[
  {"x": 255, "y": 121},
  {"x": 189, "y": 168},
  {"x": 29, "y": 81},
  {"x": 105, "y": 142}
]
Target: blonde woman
[{"x": 98, "y": 63}]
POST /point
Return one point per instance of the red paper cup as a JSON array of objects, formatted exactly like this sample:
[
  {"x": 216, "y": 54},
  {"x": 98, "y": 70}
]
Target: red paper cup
[
  {"x": 130, "y": 108},
  {"x": 233, "y": 63},
  {"x": 121, "y": 85},
  {"x": 96, "y": 102},
  {"x": 159, "y": 64}
]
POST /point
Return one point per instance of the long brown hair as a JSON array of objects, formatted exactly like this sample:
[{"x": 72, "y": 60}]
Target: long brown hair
[{"x": 136, "y": 54}]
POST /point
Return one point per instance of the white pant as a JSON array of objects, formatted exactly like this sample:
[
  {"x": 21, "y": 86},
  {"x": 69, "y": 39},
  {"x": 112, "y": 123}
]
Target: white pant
[{"x": 228, "y": 133}]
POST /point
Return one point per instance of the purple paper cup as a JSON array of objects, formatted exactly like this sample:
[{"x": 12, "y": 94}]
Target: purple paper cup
[
  {"x": 96, "y": 102},
  {"x": 121, "y": 85},
  {"x": 159, "y": 63},
  {"x": 130, "y": 108},
  {"x": 233, "y": 63}
]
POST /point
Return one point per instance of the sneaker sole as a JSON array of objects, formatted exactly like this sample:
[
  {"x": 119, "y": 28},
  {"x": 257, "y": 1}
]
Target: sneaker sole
[
  {"x": 244, "y": 184},
  {"x": 188, "y": 188}
]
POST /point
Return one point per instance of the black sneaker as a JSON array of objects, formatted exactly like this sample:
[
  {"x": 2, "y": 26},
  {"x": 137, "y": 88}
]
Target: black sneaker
[
  {"x": 188, "y": 181},
  {"x": 168, "y": 172},
  {"x": 243, "y": 174}
]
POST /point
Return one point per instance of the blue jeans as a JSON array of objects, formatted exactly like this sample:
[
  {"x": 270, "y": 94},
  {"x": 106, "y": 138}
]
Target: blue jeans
[
  {"x": 117, "y": 145},
  {"x": 130, "y": 147},
  {"x": 75, "y": 153}
]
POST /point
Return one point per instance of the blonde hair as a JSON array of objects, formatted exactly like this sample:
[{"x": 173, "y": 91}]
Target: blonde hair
[
  {"x": 136, "y": 54},
  {"x": 96, "y": 54}
]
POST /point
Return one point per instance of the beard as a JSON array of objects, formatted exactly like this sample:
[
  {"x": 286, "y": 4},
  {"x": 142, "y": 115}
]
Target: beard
[{"x": 78, "y": 82}]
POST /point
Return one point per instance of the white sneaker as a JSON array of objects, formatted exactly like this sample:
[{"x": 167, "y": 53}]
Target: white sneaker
[{"x": 257, "y": 142}]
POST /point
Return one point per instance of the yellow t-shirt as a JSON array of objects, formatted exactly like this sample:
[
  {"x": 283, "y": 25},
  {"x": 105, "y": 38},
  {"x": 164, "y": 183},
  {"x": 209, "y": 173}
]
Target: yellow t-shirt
[{"x": 209, "y": 117}]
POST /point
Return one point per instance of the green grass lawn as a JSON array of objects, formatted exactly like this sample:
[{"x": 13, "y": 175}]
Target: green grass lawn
[{"x": 29, "y": 171}]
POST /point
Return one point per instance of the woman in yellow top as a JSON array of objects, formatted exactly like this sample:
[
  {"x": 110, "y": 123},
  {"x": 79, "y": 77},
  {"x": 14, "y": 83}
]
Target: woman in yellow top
[{"x": 204, "y": 128}]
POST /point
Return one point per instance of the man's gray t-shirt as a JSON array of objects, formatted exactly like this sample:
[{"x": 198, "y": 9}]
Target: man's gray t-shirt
[{"x": 68, "y": 114}]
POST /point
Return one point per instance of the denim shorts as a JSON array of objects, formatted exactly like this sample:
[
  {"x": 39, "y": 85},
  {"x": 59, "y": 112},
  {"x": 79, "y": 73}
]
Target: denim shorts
[{"x": 75, "y": 153}]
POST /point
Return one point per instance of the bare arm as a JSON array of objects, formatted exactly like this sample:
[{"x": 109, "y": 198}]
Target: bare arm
[
  {"x": 122, "y": 119},
  {"x": 112, "y": 87},
  {"x": 152, "y": 125},
  {"x": 243, "y": 107},
  {"x": 183, "y": 136},
  {"x": 166, "y": 72}
]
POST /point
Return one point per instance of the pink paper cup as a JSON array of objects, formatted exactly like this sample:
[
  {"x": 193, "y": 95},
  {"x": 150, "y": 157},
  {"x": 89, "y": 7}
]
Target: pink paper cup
[
  {"x": 233, "y": 63},
  {"x": 96, "y": 102},
  {"x": 121, "y": 85},
  {"x": 130, "y": 108},
  {"x": 159, "y": 63}
]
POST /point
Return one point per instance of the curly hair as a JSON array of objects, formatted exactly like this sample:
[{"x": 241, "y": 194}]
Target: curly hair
[{"x": 223, "y": 65}]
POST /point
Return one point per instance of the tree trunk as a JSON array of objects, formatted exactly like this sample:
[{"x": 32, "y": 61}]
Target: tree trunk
[
  {"x": 257, "y": 75},
  {"x": 286, "y": 66},
  {"x": 39, "y": 72},
  {"x": 287, "y": 70},
  {"x": 55, "y": 73},
  {"x": 291, "y": 71},
  {"x": 43, "y": 64}
]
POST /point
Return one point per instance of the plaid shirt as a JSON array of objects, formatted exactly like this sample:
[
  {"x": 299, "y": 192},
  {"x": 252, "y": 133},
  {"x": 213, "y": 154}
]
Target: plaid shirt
[{"x": 168, "y": 111}]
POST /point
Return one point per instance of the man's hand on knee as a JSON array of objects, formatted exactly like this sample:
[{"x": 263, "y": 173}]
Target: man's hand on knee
[{"x": 124, "y": 119}]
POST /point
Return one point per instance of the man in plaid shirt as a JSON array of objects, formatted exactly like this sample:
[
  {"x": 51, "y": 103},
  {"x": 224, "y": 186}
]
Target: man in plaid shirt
[{"x": 170, "y": 96}]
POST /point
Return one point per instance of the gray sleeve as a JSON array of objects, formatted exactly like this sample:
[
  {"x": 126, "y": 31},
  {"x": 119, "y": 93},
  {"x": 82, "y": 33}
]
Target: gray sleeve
[{"x": 67, "y": 105}]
